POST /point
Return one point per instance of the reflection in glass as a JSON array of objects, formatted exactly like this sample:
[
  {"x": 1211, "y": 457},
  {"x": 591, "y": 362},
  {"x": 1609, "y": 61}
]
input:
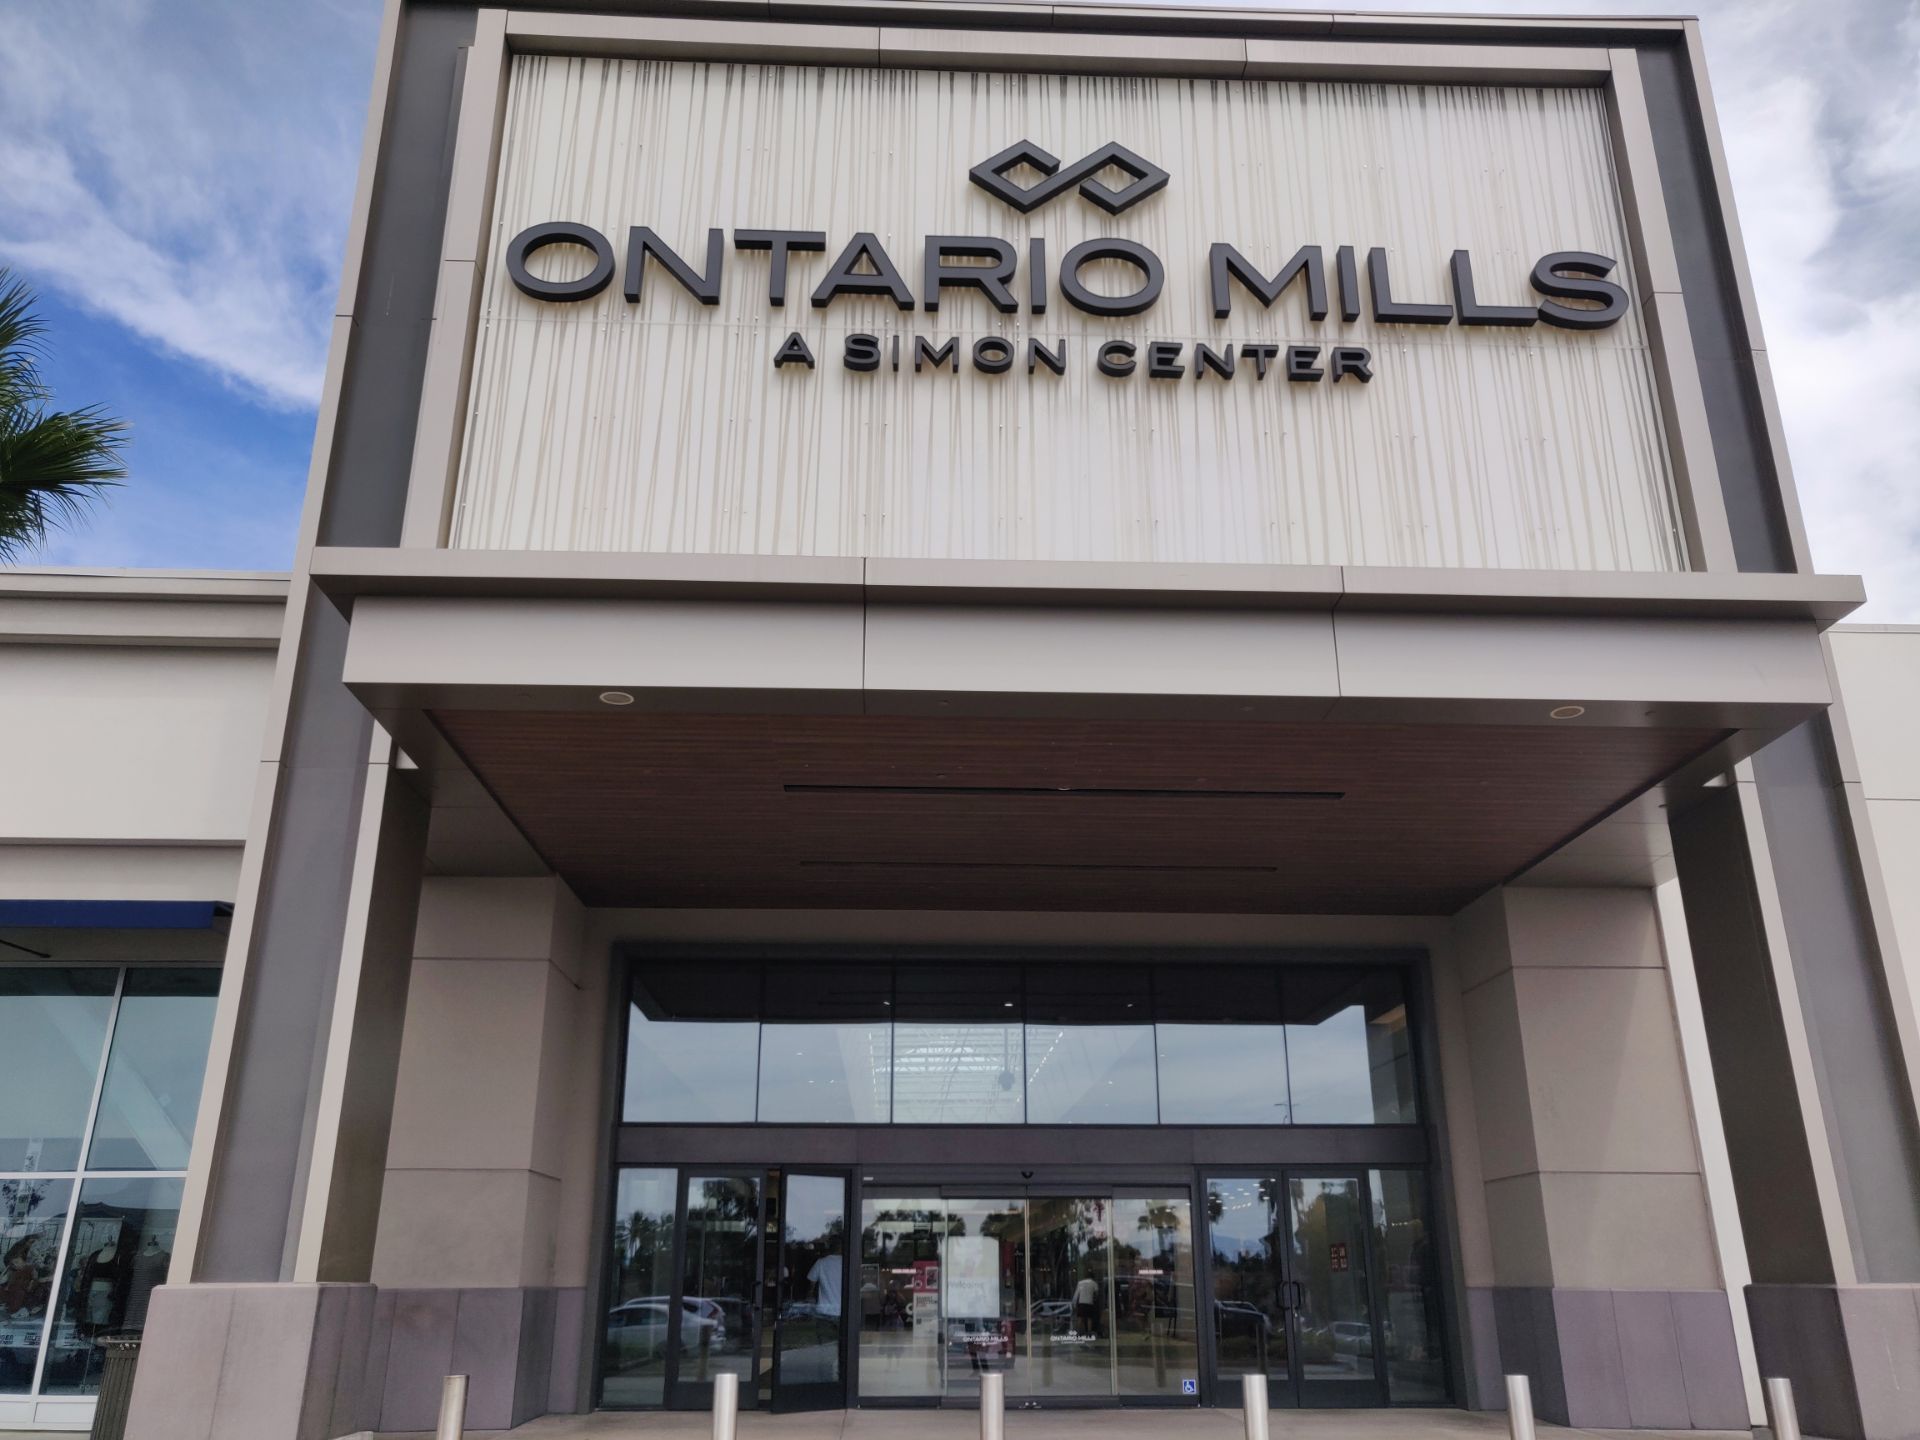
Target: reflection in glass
[
  {"x": 825, "y": 1074},
  {"x": 721, "y": 1273},
  {"x": 1090, "y": 1075},
  {"x": 684, "y": 1070},
  {"x": 1222, "y": 1074},
  {"x": 55, "y": 1023},
  {"x": 984, "y": 1293},
  {"x": 1348, "y": 1054},
  {"x": 158, "y": 1056},
  {"x": 814, "y": 1245},
  {"x": 1333, "y": 1312},
  {"x": 32, "y": 1215},
  {"x": 1246, "y": 1227},
  {"x": 1070, "y": 1307},
  {"x": 1404, "y": 1278},
  {"x": 634, "y": 1347},
  {"x": 123, "y": 1238},
  {"x": 900, "y": 1251},
  {"x": 957, "y": 1073},
  {"x": 1155, "y": 1345}
]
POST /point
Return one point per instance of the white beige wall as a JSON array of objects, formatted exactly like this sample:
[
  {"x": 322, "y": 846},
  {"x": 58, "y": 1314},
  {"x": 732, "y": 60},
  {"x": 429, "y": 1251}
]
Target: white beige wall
[
  {"x": 663, "y": 426},
  {"x": 133, "y": 768},
  {"x": 1879, "y": 673}
]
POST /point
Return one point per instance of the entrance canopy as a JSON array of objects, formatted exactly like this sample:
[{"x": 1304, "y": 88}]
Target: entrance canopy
[{"x": 695, "y": 731}]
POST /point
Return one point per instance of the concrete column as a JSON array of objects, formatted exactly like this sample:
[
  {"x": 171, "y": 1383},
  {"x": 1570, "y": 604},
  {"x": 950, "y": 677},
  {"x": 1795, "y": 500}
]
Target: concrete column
[
  {"x": 481, "y": 1261},
  {"x": 1607, "y": 1290}
]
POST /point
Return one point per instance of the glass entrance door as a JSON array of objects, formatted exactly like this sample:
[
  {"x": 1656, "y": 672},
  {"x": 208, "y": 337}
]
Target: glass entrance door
[
  {"x": 1070, "y": 1306},
  {"x": 718, "y": 1311},
  {"x": 1291, "y": 1294},
  {"x": 810, "y": 1294}
]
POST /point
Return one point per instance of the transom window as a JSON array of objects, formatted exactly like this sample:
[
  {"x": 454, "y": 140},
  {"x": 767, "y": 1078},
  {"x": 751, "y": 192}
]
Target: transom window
[{"x": 986, "y": 1041}]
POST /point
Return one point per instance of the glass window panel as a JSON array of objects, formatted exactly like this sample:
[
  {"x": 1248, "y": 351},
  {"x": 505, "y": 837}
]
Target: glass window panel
[
  {"x": 825, "y": 1074},
  {"x": 1089, "y": 993},
  {"x": 635, "y": 1340},
  {"x": 720, "y": 1279},
  {"x": 1090, "y": 1075},
  {"x": 959, "y": 989},
  {"x": 681, "y": 1070},
  {"x": 983, "y": 1294},
  {"x": 123, "y": 1239},
  {"x": 1155, "y": 1344},
  {"x": 900, "y": 1243},
  {"x": 32, "y": 1215},
  {"x": 957, "y": 1074},
  {"x": 55, "y": 1024},
  {"x": 697, "y": 989},
  {"x": 1222, "y": 1074},
  {"x": 1217, "y": 994},
  {"x": 1348, "y": 1055},
  {"x": 807, "y": 991},
  {"x": 1406, "y": 1280},
  {"x": 159, "y": 1055}
]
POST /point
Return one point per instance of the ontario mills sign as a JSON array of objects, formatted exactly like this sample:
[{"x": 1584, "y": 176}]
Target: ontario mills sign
[{"x": 1575, "y": 293}]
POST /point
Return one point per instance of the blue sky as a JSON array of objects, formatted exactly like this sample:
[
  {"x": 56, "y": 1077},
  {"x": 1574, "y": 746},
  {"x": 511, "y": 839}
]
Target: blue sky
[{"x": 176, "y": 174}]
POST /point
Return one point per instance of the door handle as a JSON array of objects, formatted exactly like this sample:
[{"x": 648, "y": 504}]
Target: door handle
[{"x": 1293, "y": 1293}]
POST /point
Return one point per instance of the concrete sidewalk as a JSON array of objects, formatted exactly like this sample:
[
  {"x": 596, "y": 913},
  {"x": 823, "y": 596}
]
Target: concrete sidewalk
[{"x": 1057, "y": 1425}]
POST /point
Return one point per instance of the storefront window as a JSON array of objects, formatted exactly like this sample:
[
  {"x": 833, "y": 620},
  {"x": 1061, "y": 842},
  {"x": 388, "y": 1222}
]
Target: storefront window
[
  {"x": 153, "y": 1080},
  {"x": 33, "y": 1219},
  {"x": 1090, "y": 1075},
  {"x": 104, "y": 1064},
  {"x": 1403, "y": 1258},
  {"x": 952, "y": 1073},
  {"x": 123, "y": 1238},
  {"x": 55, "y": 1021},
  {"x": 690, "y": 1070}
]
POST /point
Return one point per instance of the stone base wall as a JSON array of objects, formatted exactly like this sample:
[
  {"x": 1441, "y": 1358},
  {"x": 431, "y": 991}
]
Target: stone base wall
[{"x": 1622, "y": 1359}]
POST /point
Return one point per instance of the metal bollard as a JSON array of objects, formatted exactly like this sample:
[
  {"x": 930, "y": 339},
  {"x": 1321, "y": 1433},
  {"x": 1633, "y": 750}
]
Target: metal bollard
[
  {"x": 1519, "y": 1407},
  {"x": 453, "y": 1408},
  {"x": 1782, "y": 1414},
  {"x": 993, "y": 1405},
  {"x": 726, "y": 1404},
  {"x": 1253, "y": 1405}
]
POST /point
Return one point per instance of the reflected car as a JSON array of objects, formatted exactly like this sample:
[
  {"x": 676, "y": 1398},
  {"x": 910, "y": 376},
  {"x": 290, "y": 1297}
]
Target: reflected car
[
  {"x": 1235, "y": 1316},
  {"x": 642, "y": 1325},
  {"x": 1352, "y": 1337}
]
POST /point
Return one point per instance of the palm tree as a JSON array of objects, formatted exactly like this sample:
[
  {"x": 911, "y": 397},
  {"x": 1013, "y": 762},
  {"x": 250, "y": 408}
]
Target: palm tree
[{"x": 52, "y": 462}]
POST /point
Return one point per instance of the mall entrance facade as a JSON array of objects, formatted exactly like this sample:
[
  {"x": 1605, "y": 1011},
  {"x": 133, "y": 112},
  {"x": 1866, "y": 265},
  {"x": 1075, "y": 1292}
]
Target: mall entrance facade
[{"x": 1113, "y": 1182}]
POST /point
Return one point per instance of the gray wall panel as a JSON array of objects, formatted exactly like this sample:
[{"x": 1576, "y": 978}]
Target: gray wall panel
[
  {"x": 1747, "y": 478},
  {"x": 1843, "y": 993}
]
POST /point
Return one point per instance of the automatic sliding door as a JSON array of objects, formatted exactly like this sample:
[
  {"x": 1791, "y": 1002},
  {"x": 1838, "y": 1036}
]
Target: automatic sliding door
[
  {"x": 984, "y": 1284},
  {"x": 1070, "y": 1305}
]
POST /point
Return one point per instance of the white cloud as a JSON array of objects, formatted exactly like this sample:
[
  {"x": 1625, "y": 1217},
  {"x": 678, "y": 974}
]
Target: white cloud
[{"x": 186, "y": 171}]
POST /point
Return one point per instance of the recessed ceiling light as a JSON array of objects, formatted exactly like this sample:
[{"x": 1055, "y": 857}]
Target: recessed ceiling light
[
  {"x": 1567, "y": 712},
  {"x": 615, "y": 697}
]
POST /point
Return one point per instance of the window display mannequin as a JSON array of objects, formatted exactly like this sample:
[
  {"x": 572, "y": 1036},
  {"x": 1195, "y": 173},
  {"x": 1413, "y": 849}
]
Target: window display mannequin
[{"x": 149, "y": 1269}]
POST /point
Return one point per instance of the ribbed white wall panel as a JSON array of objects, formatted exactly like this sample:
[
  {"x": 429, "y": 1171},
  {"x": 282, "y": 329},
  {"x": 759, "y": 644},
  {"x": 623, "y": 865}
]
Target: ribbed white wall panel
[{"x": 663, "y": 426}]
